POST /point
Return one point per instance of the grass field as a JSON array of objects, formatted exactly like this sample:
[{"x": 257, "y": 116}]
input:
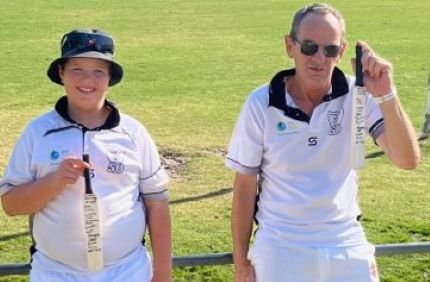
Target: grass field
[{"x": 189, "y": 66}]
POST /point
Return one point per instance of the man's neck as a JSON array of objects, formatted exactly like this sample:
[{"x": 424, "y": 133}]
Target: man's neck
[{"x": 306, "y": 98}]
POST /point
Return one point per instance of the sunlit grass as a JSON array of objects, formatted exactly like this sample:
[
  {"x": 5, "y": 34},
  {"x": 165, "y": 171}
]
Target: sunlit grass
[{"x": 189, "y": 66}]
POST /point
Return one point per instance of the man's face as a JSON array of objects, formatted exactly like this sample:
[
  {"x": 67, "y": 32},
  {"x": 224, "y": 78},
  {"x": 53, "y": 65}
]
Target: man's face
[{"x": 324, "y": 30}]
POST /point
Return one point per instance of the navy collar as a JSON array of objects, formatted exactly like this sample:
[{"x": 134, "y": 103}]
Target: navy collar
[
  {"x": 111, "y": 121},
  {"x": 277, "y": 96}
]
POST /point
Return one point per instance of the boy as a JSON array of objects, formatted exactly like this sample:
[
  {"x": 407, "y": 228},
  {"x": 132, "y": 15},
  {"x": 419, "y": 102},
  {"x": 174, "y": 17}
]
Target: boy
[{"x": 44, "y": 177}]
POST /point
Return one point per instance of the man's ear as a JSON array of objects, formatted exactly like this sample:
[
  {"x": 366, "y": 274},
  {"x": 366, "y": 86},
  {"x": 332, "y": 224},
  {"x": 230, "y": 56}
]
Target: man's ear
[
  {"x": 343, "y": 47},
  {"x": 289, "y": 44}
]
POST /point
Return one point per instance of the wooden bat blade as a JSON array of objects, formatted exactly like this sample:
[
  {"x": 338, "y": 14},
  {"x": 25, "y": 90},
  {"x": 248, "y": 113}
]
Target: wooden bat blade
[
  {"x": 358, "y": 124},
  {"x": 92, "y": 223},
  {"x": 92, "y": 230}
]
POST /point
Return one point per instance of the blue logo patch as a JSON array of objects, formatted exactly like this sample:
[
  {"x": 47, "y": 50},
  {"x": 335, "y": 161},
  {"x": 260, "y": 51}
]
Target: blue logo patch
[
  {"x": 281, "y": 126},
  {"x": 54, "y": 155}
]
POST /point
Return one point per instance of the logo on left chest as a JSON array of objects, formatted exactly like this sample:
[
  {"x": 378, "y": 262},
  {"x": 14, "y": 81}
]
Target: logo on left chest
[
  {"x": 115, "y": 158},
  {"x": 335, "y": 119}
]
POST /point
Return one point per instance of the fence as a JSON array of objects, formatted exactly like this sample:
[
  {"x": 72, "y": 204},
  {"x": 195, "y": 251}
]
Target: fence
[{"x": 226, "y": 258}]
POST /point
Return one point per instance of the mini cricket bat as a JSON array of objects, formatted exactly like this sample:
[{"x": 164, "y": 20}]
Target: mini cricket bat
[
  {"x": 358, "y": 119},
  {"x": 92, "y": 223}
]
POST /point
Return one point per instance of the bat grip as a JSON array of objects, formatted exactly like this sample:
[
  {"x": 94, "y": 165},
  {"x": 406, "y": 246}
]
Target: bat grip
[
  {"x": 87, "y": 176},
  {"x": 358, "y": 65}
]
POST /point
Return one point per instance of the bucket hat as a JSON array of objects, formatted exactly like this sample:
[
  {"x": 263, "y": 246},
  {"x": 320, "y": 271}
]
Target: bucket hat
[{"x": 86, "y": 43}]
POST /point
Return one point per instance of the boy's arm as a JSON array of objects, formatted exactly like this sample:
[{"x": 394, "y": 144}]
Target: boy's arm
[
  {"x": 31, "y": 197},
  {"x": 158, "y": 219}
]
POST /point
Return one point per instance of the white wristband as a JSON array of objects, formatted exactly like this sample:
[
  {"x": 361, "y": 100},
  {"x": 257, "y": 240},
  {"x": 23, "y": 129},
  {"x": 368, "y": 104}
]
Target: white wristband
[{"x": 385, "y": 98}]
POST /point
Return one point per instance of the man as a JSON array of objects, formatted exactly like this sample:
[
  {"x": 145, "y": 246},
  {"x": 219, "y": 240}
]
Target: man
[{"x": 291, "y": 143}]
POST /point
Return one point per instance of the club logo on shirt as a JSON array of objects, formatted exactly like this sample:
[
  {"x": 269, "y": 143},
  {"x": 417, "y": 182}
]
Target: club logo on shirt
[
  {"x": 335, "y": 119},
  {"x": 115, "y": 160}
]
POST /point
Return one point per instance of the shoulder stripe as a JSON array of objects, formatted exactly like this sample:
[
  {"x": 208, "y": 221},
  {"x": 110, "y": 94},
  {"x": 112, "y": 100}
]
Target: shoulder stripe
[{"x": 55, "y": 130}]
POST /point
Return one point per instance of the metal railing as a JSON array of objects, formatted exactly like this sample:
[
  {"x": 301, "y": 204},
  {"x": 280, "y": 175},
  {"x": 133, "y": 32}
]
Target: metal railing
[{"x": 226, "y": 258}]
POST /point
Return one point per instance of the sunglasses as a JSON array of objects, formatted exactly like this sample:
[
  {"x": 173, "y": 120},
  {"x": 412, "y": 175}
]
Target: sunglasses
[
  {"x": 310, "y": 48},
  {"x": 84, "y": 42}
]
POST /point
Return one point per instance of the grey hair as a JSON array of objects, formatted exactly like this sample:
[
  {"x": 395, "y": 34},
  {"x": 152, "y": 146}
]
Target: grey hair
[{"x": 315, "y": 8}]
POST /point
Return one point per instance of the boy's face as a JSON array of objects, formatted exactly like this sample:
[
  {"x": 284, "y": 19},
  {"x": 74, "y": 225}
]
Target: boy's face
[{"x": 86, "y": 82}]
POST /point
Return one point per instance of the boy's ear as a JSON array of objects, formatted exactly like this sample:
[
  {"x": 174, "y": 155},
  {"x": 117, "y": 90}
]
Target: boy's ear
[{"x": 60, "y": 72}]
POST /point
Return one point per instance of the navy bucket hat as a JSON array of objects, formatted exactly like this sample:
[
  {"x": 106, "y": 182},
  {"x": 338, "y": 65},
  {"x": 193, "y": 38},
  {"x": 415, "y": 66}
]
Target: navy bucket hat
[{"x": 86, "y": 43}]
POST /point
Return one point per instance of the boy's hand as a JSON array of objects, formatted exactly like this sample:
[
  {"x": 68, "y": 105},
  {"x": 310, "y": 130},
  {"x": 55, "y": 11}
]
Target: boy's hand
[{"x": 70, "y": 169}]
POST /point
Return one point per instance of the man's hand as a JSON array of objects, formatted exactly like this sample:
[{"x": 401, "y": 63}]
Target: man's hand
[
  {"x": 377, "y": 72},
  {"x": 244, "y": 273}
]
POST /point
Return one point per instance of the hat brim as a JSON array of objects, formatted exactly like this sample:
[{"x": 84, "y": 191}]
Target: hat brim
[{"x": 116, "y": 71}]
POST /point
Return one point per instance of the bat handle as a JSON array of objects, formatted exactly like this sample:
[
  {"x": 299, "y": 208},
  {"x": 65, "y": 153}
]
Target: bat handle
[
  {"x": 358, "y": 65},
  {"x": 87, "y": 176}
]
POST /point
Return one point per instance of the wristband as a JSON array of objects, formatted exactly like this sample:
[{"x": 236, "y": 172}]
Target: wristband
[{"x": 385, "y": 98}]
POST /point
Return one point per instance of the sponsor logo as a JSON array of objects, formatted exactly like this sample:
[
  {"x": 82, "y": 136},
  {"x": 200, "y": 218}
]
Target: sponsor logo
[
  {"x": 54, "y": 155},
  {"x": 57, "y": 155},
  {"x": 312, "y": 141},
  {"x": 281, "y": 126},
  {"x": 286, "y": 127}
]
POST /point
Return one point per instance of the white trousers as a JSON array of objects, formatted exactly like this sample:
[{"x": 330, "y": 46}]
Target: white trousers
[
  {"x": 302, "y": 264},
  {"x": 135, "y": 267}
]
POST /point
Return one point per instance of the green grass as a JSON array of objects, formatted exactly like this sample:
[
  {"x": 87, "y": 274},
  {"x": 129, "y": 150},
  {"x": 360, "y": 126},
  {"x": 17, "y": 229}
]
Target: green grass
[{"x": 189, "y": 66}]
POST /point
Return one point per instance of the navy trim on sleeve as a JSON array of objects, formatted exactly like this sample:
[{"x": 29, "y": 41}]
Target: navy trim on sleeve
[{"x": 154, "y": 173}]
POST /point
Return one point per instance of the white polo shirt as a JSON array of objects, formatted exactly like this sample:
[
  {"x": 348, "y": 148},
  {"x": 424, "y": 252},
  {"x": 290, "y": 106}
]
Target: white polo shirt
[
  {"x": 125, "y": 163},
  {"x": 307, "y": 189}
]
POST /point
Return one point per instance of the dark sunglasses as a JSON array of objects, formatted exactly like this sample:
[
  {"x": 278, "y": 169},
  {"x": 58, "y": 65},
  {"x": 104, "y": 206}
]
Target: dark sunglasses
[
  {"x": 84, "y": 42},
  {"x": 310, "y": 48}
]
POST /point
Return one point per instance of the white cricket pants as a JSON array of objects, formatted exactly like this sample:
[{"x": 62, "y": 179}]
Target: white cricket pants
[
  {"x": 302, "y": 264},
  {"x": 135, "y": 267}
]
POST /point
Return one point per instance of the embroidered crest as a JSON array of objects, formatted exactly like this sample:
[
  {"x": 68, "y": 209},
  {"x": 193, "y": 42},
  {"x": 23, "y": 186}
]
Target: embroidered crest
[
  {"x": 335, "y": 119},
  {"x": 115, "y": 160}
]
